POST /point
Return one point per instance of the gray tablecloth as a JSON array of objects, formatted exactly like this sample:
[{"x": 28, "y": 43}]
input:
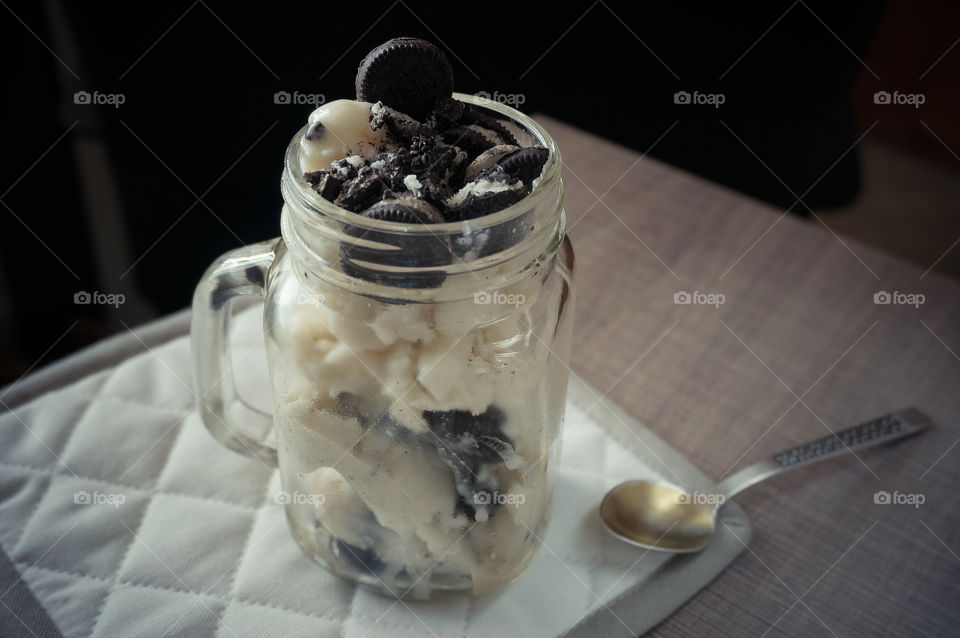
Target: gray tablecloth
[{"x": 721, "y": 384}]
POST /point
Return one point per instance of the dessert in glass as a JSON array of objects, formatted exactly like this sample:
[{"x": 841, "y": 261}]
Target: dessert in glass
[{"x": 417, "y": 317}]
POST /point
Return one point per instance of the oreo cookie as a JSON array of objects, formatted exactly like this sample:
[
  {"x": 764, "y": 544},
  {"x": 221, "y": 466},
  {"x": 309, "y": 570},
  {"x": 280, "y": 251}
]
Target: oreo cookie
[
  {"x": 359, "y": 559},
  {"x": 465, "y": 433},
  {"x": 392, "y": 168},
  {"x": 469, "y": 139},
  {"x": 447, "y": 113},
  {"x": 347, "y": 167},
  {"x": 488, "y": 158},
  {"x": 400, "y": 125},
  {"x": 465, "y": 442},
  {"x": 325, "y": 183},
  {"x": 480, "y": 205},
  {"x": 413, "y": 251},
  {"x": 407, "y": 74},
  {"x": 431, "y": 160},
  {"x": 492, "y": 190},
  {"x": 362, "y": 191},
  {"x": 490, "y": 123},
  {"x": 405, "y": 210},
  {"x": 525, "y": 164},
  {"x": 473, "y": 493}
]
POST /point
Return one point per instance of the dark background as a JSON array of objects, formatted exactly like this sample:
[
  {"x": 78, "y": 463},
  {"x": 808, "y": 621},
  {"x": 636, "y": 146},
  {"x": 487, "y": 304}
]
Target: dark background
[{"x": 139, "y": 199}]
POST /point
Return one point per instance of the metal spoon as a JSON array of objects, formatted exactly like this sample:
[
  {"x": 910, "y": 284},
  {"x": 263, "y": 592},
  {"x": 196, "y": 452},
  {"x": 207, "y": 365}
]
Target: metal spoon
[{"x": 669, "y": 518}]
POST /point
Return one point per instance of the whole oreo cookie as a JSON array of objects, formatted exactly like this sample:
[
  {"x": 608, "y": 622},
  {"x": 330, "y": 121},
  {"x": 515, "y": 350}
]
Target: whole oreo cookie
[{"x": 407, "y": 74}]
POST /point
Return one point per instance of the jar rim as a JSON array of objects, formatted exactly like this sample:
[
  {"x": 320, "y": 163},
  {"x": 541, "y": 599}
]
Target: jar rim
[{"x": 293, "y": 183}]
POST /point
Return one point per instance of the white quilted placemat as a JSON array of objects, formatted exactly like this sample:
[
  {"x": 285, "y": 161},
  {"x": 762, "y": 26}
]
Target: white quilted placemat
[{"x": 126, "y": 518}]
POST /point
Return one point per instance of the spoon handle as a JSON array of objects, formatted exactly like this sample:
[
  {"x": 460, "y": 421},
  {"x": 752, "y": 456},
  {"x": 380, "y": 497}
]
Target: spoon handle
[{"x": 881, "y": 430}]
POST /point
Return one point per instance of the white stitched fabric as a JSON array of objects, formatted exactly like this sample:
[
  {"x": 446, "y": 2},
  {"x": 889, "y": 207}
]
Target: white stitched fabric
[{"x": 126, "y": 518}]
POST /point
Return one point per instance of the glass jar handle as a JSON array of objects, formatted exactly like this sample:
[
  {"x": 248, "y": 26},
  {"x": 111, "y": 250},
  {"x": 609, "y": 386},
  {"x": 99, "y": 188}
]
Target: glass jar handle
[{"x": 231, "y": 421}]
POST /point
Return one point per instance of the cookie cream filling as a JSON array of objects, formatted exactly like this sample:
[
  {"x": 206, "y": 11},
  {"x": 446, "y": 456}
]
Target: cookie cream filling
[
  {"x": 413, "y": 184},
  {"x": 482, "y": 187}
]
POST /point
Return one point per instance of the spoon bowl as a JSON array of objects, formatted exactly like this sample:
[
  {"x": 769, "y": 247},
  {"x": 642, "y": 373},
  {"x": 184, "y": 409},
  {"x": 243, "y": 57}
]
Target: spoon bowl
[{"x": 657, "y": 516}]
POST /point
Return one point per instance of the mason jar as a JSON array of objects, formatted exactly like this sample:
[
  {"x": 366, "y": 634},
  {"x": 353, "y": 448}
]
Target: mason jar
[{"x": 418, "y": 377}]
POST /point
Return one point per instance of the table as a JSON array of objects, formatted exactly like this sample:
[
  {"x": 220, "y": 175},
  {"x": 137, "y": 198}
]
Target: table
[{"x": 798, "y": 347}]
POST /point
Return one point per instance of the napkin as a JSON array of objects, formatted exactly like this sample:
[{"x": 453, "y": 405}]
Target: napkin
[{"x": 124, "y": 517}]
